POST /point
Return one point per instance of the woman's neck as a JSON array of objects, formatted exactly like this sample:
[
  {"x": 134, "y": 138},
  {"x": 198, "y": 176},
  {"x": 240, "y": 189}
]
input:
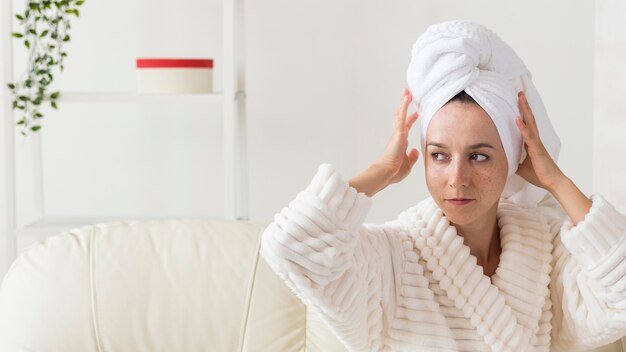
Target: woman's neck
[{"x": 483, "y": 239}]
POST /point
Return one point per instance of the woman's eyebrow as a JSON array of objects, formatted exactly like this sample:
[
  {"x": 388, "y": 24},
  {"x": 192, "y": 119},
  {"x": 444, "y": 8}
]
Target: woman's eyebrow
[
  {"x": 435, "y": 144},
  {"x": 480, "y": 145},
  {"x": 473, "y": 146}
]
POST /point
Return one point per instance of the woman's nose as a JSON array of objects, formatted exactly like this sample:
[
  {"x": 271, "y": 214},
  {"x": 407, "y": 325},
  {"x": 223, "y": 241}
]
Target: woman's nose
[{"x": 459, "y": 175}]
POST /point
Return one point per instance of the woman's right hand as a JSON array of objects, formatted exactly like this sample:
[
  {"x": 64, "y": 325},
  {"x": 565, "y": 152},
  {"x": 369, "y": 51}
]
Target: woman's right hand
[
  {"x": 395, "y": 158},
  {"x": 395, "y": 163}
]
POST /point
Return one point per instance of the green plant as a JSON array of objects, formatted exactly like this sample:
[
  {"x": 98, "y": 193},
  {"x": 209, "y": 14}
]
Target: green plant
[{"x": 45, "y": 26}]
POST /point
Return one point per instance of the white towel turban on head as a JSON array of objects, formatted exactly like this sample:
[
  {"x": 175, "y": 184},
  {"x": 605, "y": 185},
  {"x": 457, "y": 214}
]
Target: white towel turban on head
[{"x": 461, "y": 55}]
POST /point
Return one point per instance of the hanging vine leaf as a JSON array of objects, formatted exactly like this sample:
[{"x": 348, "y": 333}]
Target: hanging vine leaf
[{"x": 44, "y": 30}]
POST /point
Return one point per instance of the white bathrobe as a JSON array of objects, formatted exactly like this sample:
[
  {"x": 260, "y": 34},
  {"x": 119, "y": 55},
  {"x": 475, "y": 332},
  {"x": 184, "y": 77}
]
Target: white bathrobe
[{"x": 411, "y": 285}]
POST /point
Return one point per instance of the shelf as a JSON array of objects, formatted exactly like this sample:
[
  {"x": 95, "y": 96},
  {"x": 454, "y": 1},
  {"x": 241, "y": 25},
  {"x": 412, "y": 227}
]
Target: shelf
[
  {"x": 231, "y": 98},
  {"x": 134, "y": 97}
]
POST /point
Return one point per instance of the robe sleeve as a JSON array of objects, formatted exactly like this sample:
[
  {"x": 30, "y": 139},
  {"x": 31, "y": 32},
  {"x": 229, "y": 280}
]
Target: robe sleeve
[
  {"x": 588, "y": 278},
  {"x": 333, "y": 263}
]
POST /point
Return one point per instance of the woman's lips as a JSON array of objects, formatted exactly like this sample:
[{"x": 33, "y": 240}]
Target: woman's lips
[{"x": 459, "y": 201}]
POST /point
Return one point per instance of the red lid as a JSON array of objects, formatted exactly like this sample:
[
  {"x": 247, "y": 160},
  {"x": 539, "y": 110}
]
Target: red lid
[{"x": 165, "y": 63}]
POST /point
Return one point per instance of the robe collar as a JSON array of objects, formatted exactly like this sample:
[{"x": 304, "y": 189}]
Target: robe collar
[{"x": 506, "y": 308}]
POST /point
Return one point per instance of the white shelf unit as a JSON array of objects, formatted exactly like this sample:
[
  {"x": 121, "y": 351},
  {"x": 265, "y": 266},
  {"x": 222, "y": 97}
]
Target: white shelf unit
[
  {"x": 133, "y": 97},
  {"x": 232, "y": 97}
]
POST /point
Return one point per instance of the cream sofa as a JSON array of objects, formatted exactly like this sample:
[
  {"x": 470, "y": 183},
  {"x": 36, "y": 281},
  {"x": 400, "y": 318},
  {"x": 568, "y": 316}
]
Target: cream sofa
[{"x": 160, "y": 285}]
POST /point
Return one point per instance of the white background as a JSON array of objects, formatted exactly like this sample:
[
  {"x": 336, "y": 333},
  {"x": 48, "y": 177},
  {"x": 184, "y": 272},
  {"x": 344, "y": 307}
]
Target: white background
[{"x": 323, "y": 79}]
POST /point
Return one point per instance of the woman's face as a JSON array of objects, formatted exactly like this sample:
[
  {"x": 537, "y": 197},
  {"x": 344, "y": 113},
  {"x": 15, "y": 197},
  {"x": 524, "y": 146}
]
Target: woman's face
[{"x": 464, "y": 160}]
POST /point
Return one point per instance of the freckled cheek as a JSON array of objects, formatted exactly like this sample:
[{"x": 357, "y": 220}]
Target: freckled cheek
[{"x": 490, "y": 182}]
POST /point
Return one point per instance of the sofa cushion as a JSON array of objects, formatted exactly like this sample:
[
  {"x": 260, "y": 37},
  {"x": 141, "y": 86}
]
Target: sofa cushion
[
  {"x": 45, "y": 298},
  {"x": 161, "y": 285}
]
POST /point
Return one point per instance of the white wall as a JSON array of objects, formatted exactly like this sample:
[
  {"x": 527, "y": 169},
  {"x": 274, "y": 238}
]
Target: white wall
[
  {"x": 352, "y": 68},
  {"x": 323, "y": 79},
  {"x": 130, "y": 159},
  {"x": 609, "y": 170}
]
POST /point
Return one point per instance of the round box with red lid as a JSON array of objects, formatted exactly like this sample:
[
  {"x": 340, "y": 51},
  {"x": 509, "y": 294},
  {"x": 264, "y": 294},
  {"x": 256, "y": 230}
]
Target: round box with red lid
[{"x": 174, "y": 75}]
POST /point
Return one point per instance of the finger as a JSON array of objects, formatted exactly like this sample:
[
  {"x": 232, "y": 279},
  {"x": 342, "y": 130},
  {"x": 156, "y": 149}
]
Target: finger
[
  {"x": 526, "y": 136},
  {"x": 404, "y": 93},
  {"x": 412, "y": 155},
  {"x": 527, "y": 131},
  {"x": 522, "y": 127},
  {"x": 398, "y": 121},
  {"x": 527, "y": 113},
  {"x": 530, "y": 139},
  {"x": 411, "y": 120},
  {"x": 529, "y": 118},
  {"x": 404, "y": 105}
]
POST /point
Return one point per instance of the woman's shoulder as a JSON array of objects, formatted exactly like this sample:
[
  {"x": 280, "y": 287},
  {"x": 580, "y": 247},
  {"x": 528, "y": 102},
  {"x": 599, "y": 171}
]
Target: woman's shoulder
[
  {"x": 548, "y": 212},
  {"x": 406, "y": 223},
  {"x": 398, "y": 230},
  {"x": 406, "y": 218},
  {"x": 550, "y": 209},
  {"x": 550, "y": 206}
]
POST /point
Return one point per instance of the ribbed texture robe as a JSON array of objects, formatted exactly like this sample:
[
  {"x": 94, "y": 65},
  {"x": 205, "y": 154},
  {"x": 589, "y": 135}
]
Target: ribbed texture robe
[{"x": 411, "y": 284}]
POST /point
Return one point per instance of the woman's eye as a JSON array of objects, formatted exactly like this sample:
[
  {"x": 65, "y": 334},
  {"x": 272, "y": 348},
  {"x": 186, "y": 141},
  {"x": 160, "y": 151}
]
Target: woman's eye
[
  {"x": 438, "y": 156},
  {"x": 478, "y": 157}
]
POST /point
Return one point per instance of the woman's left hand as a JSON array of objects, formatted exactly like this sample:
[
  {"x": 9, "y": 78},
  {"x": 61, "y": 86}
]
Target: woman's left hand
[{"x": 538, "y": 168}]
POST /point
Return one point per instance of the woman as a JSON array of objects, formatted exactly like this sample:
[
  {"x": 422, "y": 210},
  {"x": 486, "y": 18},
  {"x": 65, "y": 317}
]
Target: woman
[{"x": 504, "y": 256}]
